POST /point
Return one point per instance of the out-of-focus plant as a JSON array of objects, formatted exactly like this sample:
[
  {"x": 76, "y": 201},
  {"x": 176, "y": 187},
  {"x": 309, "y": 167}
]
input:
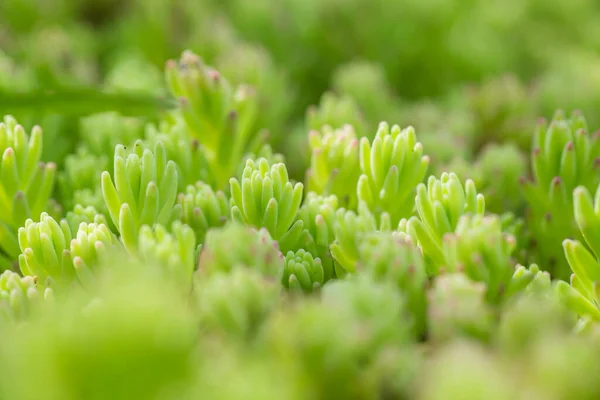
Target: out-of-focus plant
[
  {"x": 565, "y": 155},
  {"x": 220, "y": 117},
  {"x": 202, "y": 208},
  {"x": 393, "y": 257},
  {"x": 334, "y": 164},
  {"x": 253, "y": 250},
  {"x": 18, "y": 295}
]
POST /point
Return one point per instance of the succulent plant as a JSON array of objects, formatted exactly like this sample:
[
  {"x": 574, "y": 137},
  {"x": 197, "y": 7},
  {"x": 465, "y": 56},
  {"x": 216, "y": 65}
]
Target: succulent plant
[
  {"x": 26, "y": 184},
  {"x": 265, "y": 197},
  {"x": 18, "y": 295},
  {"x": 302, "y": 271},
  {"x": 236, "y": 304},
  {"x": 335, "y": 112},
  {"x": 393, "y": 257},
  {"x": 582, "y": 294},
  {"x": 564, "y": 156},
  {"x": 334, "y": 164},
  {"x": 391, "y": 167},
  {"x": 219, "y": 116},
  {"x": 318, "y": 215},
  {"x": 141, "y": 191},
  {"x": 253, "y": 249},
  {"x": 440, "y": 205},
  {"x": 349, "y": 229},
  {"x": 457, "y": 307},
  {"x": 202, "y": 208},
  {"x": 175, "y": 252},
  {"x": 55, "y": 255}
]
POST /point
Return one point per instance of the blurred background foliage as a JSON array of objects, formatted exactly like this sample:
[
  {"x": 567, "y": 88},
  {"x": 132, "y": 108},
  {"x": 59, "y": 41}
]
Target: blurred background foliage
[{"x": 464, "y": 73}]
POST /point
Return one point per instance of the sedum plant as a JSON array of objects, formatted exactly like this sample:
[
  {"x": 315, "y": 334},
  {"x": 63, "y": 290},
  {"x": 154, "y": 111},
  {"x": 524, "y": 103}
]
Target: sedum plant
[
  {"x": 495, "y": 172},
  {"x": 174, "y": 253},
  {"x": 79, "y": 181},
  {"x": 18, "y": 295},
  {"x": 253, "y": 249},
  {"x": 265, "y": 197},
  {"x": 354, "y": 341},
  {"x": 350, "y": 229},
  {"x": 302, "y": 272},
  {"x": 457, "y": 308},
  {"x": 55, "y": 255},
  {"x": 101, "y": 132},
  {"x": 26, "y": 184},
  {"x": 391, "y": 166},
  {"x": 334, "y": 164},
  {"x": 141, "y": 191},
  {"x": 318, "y": 215},
  {"x": 236, "y": 304},
  {"x": 219, "y": 116},
  {"x": 565, "y": 155},
  {"x": 440, "y": 205},
  {"x": 203, "y": 208},
  {"x": 186, "y": 151},
  {"x": 335, "y": 111},
  {"x": 483, "y": 252},
  {"x": 81, "y": 214},
  {"x": 582, "y": 295},
  {"x": 393, "y": 257}
]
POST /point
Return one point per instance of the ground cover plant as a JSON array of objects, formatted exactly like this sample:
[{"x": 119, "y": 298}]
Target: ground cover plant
[{"x": 299, "y": 199}]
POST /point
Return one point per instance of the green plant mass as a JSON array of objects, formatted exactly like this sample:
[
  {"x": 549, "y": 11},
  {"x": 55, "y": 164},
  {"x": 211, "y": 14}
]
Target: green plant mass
[{"x": 299, "y": 199}]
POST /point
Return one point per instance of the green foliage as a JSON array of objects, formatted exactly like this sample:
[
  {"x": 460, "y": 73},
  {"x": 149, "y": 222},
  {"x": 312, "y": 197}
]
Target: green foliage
[
  {"x": 495, "y": 172},
  {"x": 26, "y": 183},
  {"x": 349, "y": 229},
  {"x": 565, "y": 155},
  {"x": 236, "y": 304},
  {"x": 79, "y": 182},
  {"x": 201, "y": 262},
  {"x": 18, "y": 295},
  {"x": 582, "y": 296},
  {"x": 335, "y": 112},
  {"x": 72, "y": 345},
  {"x": 141, "y": 191},
  {"x": 440, "y": 206},
  {"x": 265, "y": 197},
  {"x": 186, "y": 152},
  {"x": 367, "y": 84},
  {"x": 354, "y": 342},
  {"x": 483, "y": 252},
  {"x": 218, "y": 116},
  {"x": 253, "y": 249},
  {"x": 174, "y": 252},
  {"x": 54, "y": 255},
  {"x": 318, "y": 215},
  {"x": 334, "y": 164},
  {"x": 504, "y": 109},
  {"x": 202, "y": 208},
  {"x": 457, "y": 308},
  {"x": 391, "y": 167},
  {"x": 392, "y": 257},
  {"x": 302, "y": 271}
]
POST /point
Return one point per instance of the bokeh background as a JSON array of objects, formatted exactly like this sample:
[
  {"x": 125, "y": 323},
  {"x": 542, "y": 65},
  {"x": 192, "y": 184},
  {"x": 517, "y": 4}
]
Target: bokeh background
[{"x": 468, "y": 74}]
